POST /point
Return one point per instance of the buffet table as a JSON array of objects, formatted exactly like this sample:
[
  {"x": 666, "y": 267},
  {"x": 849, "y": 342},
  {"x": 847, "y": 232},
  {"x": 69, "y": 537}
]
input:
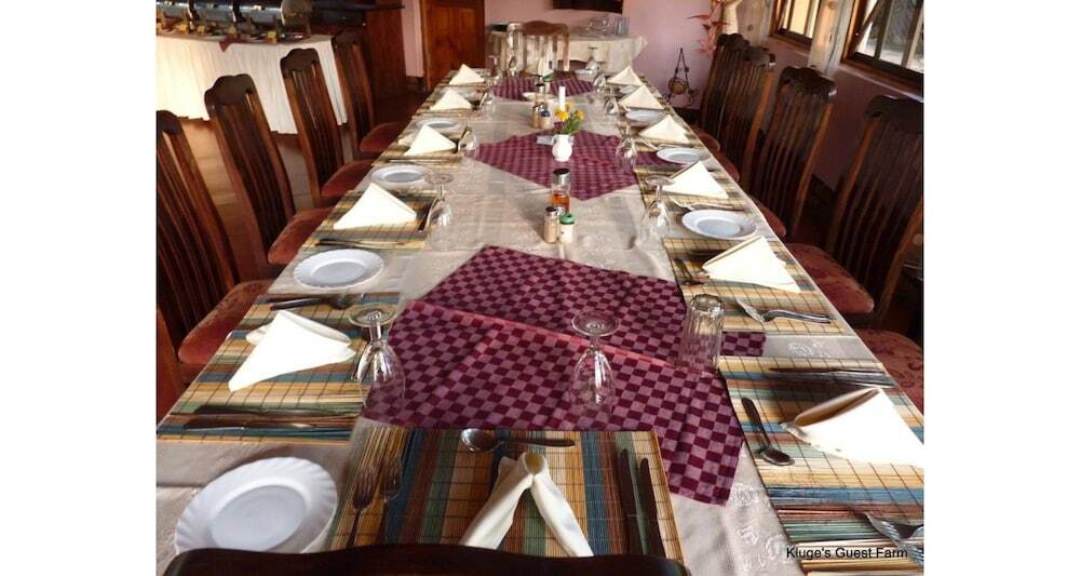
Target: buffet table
[
  {"x": 188, "y": 65},
  {"x": 612, "y": 51},
  {"x": 741, "y": 536}
]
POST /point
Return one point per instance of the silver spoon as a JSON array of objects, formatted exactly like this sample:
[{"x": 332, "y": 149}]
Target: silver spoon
[
  {"x": 477, "y": 440},
  {"x": 770, "y": 315},
  {"x": 769, "y": 452}
]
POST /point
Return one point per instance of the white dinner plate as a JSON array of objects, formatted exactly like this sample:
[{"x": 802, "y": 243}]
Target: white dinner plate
[
  {"x": 685, "y": 156},
  {"x": 399, "y": 176},
  {"x": 277, "y": 504},
  {"x": 720, "y": 224},
  {"x": 338, "y": 268},
  {"x": 442, "y": 125},
  {"x": 641, "y": 116}
]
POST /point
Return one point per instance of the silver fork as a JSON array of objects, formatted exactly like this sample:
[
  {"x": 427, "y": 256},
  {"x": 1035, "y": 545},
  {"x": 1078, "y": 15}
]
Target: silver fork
[
  {"x": 907, "y": 537},
  {"x": 363, "y": 494},
  {"x": 770, "y": 315}
]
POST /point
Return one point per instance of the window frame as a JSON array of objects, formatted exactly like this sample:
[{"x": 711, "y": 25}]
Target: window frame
[
  {"x": 784, "y": 32},
  {"x": 860, "y": 25}
]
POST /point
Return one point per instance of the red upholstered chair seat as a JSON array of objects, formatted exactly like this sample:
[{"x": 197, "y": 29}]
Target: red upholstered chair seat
[
  {"x": 901, "y": 357},
  {"x": 205, "y": 338},
  {"x": 714, "y": 146},
  {"x": 381, "y": 137},
  {"x": 774, "y": 221},
  {"x": 345, "y": 179},
  {"x": 844, "y": 291},
  {"x": 288, "y": 243}
]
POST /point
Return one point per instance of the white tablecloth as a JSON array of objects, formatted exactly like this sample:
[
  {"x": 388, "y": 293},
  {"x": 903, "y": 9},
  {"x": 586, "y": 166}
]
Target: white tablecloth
[
  {"x": 613, "y": 52},
  {"x": 741, "y": 537},
  {"x": 188, "y": 65}
]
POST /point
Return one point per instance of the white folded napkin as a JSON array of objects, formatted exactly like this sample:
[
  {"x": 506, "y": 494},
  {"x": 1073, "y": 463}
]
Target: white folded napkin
[
  {"x": 751, "y": 261},
  {"x": 626, "y": 76},
  {"x": 695, "y": 179},
  {"x": 291, "y": 343},
  {"x": 376, "y": 207},
  {"x": 666, "y": 129},
  {"x": 861, "y": 425},
  {"x": 466, "y": 75},
  {"x": 529, "y": 472},
  {"x": 452, "y": 100},
  {"x": 428, "y": 140},
  {"x": 641, "y": 98}
]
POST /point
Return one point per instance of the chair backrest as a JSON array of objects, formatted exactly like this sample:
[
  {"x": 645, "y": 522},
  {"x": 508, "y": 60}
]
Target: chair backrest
[
  {"x": 412, "y": 559},
  {"x": 879, "y": 205},
  {"x": 316, "y": 124},
  {"x": 783, "y": 164},
  {"x": 195, "y": 269},
  {"x": 558, "y": 35},
  {"x": 747, "y": 97},
  {"x": 728, "y": 52},
  {"x": 251, "y": 157},
  {"x": 355, "y": 85},
  {"x": 168, "y": 371}
]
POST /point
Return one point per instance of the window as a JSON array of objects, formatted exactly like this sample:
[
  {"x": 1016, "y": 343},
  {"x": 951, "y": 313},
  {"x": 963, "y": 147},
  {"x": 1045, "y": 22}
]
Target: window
[
  {"x": 795, "y": 19},
  {"x": 888, "y": 35}
]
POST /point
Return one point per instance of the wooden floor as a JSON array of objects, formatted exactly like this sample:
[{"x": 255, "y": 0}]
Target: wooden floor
[{"x": 905, "y": 318}]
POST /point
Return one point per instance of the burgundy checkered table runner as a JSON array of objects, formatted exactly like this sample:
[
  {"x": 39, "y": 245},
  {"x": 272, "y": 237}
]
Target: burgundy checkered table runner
[
  {"x": 513, "y": 88},
  {"x": 467, "y": 370},
  {"x": 547, "y": 292},
  {"x": 593, "y": 169}
]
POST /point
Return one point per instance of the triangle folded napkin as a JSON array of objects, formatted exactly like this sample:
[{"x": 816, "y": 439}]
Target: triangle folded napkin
[
  {"x": 428, "y": 140},
  {"x": 861, "y": 425},
  {"x": 627, "y": 76},
  {"x": 641, "y": 98},
  {"x": 696, "y": 179},
  {"x": 452, "y": 100},
  {"x": 528, "y": 472},
  {"x": 752, "y": 262},
  {"x": 376, "y": 207},
  {"x": 466, "y": 75},
  {"x": 667, "y": 129},
  {"x": 291, "y": 343}
]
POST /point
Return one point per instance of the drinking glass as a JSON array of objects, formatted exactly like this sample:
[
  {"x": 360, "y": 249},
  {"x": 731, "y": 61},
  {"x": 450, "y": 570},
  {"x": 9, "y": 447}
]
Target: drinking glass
[
  {"x": 593, "y": 384},
  {"x": 469, "y": 142},
  {"x": 378, "y": 366},
  {"x": 656, "y": 222},
  {"x": 593, "y": 66},
  {"x": 439, "y": 220},
  {"x": 626, "y": 153},
  {"x": 702, "y": 333}
]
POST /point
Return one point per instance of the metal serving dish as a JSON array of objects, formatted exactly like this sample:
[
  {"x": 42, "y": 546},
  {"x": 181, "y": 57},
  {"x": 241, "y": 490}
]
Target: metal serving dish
[
  {"x": 176, "y": 9},
  {"x": 215, "y": 11},
  {"x": 275, "y": 13}
]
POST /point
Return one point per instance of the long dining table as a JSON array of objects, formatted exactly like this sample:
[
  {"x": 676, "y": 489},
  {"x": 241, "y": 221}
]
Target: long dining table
[{"x": 493, "y": 207}]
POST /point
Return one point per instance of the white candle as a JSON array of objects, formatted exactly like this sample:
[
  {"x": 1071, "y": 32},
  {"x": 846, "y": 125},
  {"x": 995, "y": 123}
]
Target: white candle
[{"x": 562, "y": 97}]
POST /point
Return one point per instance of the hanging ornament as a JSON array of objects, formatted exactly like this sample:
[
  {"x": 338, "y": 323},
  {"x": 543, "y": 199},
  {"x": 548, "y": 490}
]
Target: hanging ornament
[{"x": 680, "y": 80}]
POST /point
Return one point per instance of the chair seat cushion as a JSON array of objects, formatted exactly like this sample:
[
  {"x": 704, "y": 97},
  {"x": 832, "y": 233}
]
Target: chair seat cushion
[
  {"x": 288, "y": 243},
  {"x": 901, "y": 357},
  {"x": 844, "y": 291},
  {"x": 206, "y": 337},
  {"x": 774, "y": 221},
  {"x": 345, "y": 179},
  {"x": 381, "y": 137}
]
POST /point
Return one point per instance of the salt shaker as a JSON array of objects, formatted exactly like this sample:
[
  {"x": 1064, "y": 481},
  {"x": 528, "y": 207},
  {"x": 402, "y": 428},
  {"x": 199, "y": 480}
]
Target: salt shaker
[{"x": 551, "y": 224}]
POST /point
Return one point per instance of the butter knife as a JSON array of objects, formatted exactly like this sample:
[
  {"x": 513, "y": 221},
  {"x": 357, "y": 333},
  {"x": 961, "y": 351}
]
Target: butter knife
[
  {"x": 648, "y": 505},
  {"x": 623, "y": 475},
  {"x": 223, "y": 410}
]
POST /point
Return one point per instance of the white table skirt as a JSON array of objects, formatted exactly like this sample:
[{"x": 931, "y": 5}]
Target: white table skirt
[
  {"x": 613, "y": 52},
  {"x": 188, "y": 65}
]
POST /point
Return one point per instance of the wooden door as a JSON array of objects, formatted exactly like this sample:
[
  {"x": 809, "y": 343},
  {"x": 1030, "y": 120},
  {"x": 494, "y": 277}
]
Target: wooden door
[{"x": 453, "y": 35}]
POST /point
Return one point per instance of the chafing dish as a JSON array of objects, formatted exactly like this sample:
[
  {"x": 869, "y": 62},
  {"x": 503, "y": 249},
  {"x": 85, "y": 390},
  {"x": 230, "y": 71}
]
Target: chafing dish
[
  {"x": 175, "y": 14},
  {"x": 275, "y": 13}
]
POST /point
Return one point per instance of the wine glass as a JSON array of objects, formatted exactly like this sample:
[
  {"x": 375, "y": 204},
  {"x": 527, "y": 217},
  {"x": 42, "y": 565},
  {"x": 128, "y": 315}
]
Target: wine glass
[
  {"x": 469, "y": 143},
  {"x": 594, "y": 382},
  {"x": 378, "y": 365},
  {"x": 626, "y": 152},
  {"x": 656, "y": 222},
  {"x": 439, "y": 219}
]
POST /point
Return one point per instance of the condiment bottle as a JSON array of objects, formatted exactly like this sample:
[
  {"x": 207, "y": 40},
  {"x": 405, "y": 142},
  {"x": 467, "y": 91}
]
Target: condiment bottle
[
  {"x": 560, "y": 189},
  {"x": 566, "y": 228},
  {"x": 551, "y": 224}
]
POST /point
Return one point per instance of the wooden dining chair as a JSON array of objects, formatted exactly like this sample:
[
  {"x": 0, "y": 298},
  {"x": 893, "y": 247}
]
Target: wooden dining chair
[
  {"x": 778, "y": 175},
  {"x": 741, "y": 117},
  {"x": 413, "y": 559},
  {"x": 329, "y": 177},
  {"x": 877, "y": 215},
  {"x": 727, "y": 52},
  {"x": 256, "y": 171},
  {"x": 543, "y": 33},
  {"x": 368, "y": 139},
  {"x": 168, "y": 370},
  {"x": 198, "y": 297}
]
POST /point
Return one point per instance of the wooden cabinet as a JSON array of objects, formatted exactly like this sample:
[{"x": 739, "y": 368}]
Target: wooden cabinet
[{"x": 384, "y": 46}]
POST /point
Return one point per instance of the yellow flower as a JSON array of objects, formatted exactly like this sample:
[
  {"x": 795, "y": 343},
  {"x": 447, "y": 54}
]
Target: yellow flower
[
  {"x": 580, "y": 115},
  {"x": 561, "y": 115}
]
